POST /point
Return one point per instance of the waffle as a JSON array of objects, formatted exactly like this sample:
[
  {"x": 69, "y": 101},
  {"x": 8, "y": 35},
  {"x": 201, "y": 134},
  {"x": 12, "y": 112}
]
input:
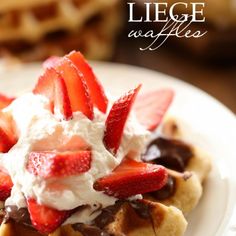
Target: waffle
[
  {"x": 33, "y": 30},
  {"x": 186, "y": 183},
  {"x": 152, "y": 216},
  {"x": 125, "y": 218}
]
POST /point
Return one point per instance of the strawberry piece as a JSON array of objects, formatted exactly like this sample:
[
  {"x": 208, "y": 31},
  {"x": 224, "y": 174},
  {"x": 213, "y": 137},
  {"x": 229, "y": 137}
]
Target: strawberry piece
[
  {"x": 131, "y": 178},
  {"x": 46, "y": 219},
  {"x": 53, "y": 86},
  {"x": 45, "y": 85},
  {"x": 152, "y": 106},
  {"x": 51, "y": 62},
  {"x": 117, "y": 118},
  {"x": 5, "y": 186},
  {"x": 7, "y": 135},
  {"x": 62, "y": 105},
  {"x": 52, "y": 164},
  {"x": 96, "y": 90},
  {"x": 5, "y": 101},
  {"x": 77, "y": 88}
]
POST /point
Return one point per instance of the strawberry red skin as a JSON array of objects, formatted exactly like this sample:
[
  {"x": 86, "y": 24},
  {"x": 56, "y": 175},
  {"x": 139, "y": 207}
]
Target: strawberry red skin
[
  {"x": 52, "y": 164},
  {"x": 117, "y": 118},
  {"x": 5, "y": 141},
  {"x": 76, "y": 87},
  {"x": 150, "y": 107},
  {"x": 51, "y": 62},
  {"x": 7, "y": 134},
  {"x": 96, "y": 90},
  {"x": 131, "y": 178},
  {"x": 46, "y": 219},
  {"x": 5, "y": 101},
  {"x": 61, "y": 99},
  {"x": 45, "y": 84},
  {"x": 5, "y": 186}
]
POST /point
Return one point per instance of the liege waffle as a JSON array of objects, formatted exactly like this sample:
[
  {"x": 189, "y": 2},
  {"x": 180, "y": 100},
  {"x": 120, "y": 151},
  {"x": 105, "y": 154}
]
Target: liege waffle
[
  {"x": 33, "y": 30},
  {"x": 126, "y": 220},
  {"x": 188, "y": 182},
  {"x": 165, "y": 216}
]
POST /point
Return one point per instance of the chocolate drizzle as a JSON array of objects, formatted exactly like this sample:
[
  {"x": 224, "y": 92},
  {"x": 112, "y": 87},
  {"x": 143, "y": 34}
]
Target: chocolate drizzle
[
  {"x": 173, "y": 154},
  {"x": 19, "y": 215},
  {"x": 140, "y": 208},
  {"x": 107, "y": 215},
  {"x": 167, "y": 191}
]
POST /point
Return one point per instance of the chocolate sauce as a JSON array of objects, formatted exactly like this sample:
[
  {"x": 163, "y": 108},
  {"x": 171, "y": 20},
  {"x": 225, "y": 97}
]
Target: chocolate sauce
[
  {"x": 108, "y": 215},
  {"x": 167, "y": 191},
  {"x": 19, "y": 215},
  {"x": 173, "y": 154},
  {"x": 141, "y": 209}
]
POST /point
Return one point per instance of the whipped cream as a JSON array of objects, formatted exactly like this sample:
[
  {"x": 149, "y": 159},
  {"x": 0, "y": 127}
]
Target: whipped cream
[{"x": 40, "y": 130}]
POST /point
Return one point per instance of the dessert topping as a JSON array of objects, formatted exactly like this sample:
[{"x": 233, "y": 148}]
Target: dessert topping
[
  {"x": 131, "y": 178},
  {"x": 5, "y": 100},
  {"x": 173, "y": 154},
  {"x": 5, "y": 185},
  {"x": 52, "y": 164},
  {"x": 117, "y": 118},
  {"x": 7, "y": 133},
  {"x": 96, "y": 90},
  {"x": 150, "y": 107},
  {"x": 46, "y": 219},
  {"x": 77, "y": 88}
]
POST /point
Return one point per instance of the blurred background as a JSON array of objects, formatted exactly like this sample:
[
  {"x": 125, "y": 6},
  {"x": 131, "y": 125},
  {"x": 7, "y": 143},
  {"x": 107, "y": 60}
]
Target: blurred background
[{"x": 33, "y": 30}]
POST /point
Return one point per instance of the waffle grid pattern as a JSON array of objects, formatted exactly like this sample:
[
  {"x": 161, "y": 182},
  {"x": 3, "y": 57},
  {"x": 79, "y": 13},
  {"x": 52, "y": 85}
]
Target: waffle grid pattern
[{"x": 33, "y": 22}]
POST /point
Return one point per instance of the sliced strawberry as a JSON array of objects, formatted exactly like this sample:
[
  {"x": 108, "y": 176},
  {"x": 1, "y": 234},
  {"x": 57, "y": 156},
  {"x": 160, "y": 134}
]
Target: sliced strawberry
[
  {"x": 117, "y": 118},
  {"x": 46, "y": 219},
  {"x": 5, "y": 186},
  {"x": 45, "y": 85},
  {"x": 52, "y": 164},
  {"x": 77, "y": 88},
  {"x": 152, "y": 106},
  {"x": 8, "y": 137},
  {"x": 131, "y": 178},
  {"x": 62, "y": 105},
  {"x": 96, "y": 90},
  {"x": 51, "y": 62},
  {"x": 5, "y": 101},
  {"x": 53, "y": 86}
]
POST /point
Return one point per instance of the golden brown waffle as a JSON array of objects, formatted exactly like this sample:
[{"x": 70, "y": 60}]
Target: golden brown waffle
[
  {"x": 42, "y": 28},
  {"x": 189, "y": 184},
  {"x": 154, "y": 216},
  {"x": 161, "y": 220}
]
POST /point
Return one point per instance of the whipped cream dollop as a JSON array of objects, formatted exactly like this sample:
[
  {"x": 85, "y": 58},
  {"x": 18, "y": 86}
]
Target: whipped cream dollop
[{"x": 40, "y": 130}]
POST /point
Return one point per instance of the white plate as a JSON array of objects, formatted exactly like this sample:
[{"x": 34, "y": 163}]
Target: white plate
[{"x": 213, "y": 125}]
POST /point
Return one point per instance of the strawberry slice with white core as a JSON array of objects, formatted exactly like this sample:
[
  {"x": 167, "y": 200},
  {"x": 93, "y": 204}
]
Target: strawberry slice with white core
[
  {"x": 116, "y": 120},
  {"x": 62, "y": 107},
  {"x": 150, "y": 107},
  {"x": 76, "y": 87},
  {"x": 96, "y": 90},
  {"x": 46, "y": 219},
  {"x": 131, "y": 178},
  {"x": 52, "y": 164},
  {"x": 5, "y": 185},
  {"x": 7, "y": 134},
  {"x": 5, "y": 101}
]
